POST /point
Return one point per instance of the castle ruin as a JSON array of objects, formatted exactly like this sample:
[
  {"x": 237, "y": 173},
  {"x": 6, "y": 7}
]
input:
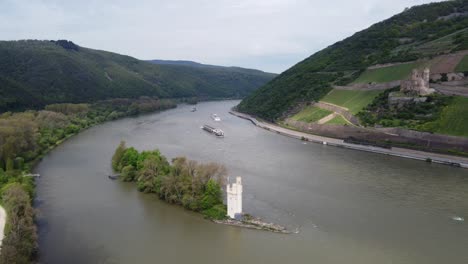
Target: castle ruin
[
  {"x": 234, "y": 199},
  {"x": 418, "y": 84}
]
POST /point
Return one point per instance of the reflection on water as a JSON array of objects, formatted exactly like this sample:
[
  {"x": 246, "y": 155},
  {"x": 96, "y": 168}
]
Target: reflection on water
[{"x": 349, "y": 206}]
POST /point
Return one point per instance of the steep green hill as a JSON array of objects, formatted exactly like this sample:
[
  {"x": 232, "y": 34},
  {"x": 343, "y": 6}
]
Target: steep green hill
[
  {"x": 35, "y": 73},
  {"x": 418, "y": 32}
]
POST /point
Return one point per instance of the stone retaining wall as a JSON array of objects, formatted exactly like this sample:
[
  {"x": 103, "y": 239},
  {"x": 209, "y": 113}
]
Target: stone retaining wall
[
  {"x": 369, "y": 86},
  {"x": 429, "y": 137},
  {"x": 427, "y": 141}
]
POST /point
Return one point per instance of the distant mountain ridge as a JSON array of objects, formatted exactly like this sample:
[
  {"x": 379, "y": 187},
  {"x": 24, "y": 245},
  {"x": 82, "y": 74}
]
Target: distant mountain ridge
[
  {"x": 181, "y": 62},
  {"x": 201, "y": 65},
  {"x": 35, "y": 73}
]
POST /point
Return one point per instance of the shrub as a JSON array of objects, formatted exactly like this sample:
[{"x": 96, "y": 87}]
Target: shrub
[
  {"x": 128, "y": 173},
  {"x": 212, "y": 195},
  {"x": 217, "y": 212},
  {"x": 117, "y": 157}
]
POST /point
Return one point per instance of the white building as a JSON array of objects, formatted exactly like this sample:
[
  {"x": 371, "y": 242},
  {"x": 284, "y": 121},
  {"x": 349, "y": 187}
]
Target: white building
[{"x": 234, "y": 198}]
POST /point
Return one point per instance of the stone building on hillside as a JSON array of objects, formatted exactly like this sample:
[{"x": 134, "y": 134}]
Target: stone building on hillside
[{"x": 418, "y": 84}]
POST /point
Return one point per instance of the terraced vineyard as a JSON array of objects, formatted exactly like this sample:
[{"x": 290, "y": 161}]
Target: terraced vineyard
[
  {"x": 311, "y": 114},
  {"x": 453, "y": 119},
  {"x": 337, "y": 120},
  {"x": 441, "y": 45},
  {"x": 354, "y": 101},
  {"x": 388, "y": 74},
  {"x": 463, "y": 66}
]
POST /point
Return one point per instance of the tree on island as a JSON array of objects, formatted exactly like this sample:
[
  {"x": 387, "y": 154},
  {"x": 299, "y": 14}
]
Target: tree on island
[{"x": 195, "y": 186}]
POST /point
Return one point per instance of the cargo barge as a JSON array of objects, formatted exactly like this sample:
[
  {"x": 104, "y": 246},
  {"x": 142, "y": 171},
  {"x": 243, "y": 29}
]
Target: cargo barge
[{"x": 216, "y": 131}]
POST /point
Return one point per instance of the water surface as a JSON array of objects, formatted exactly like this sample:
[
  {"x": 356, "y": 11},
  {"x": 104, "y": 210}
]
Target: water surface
[{"x": 349, "y": 206}]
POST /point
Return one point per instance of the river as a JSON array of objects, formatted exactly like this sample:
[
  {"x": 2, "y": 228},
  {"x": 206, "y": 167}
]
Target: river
[{"x": 348, "y": 206}]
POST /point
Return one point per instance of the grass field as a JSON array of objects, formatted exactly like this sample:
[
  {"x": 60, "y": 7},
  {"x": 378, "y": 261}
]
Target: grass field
[
  {"x": 337, "y": 120},
  {"x": 463, "y": 65},
  {"x": 387, "y": 74},
  {"x": 454, "y": 118},
  {"x": 311, "y": 114},
  {"x": 355, "y": 101}
]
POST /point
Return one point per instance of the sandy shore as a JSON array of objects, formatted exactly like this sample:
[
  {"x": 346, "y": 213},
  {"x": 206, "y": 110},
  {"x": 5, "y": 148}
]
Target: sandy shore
[
  {"x": 398, "y": 152},
  {"x": 2, "y": 223}
]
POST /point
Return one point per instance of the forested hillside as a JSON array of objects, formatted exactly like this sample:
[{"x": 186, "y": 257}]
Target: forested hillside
[
  {"x": 418, "y": 32},
  {"x": 36, "y": 73}
]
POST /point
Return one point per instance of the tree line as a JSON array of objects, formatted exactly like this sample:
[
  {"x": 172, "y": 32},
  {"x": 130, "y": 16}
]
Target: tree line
[{"x": 185, "y": 182}]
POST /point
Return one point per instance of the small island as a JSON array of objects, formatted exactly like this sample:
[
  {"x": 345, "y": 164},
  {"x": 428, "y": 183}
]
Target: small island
[{"x": 193, "y": 185}]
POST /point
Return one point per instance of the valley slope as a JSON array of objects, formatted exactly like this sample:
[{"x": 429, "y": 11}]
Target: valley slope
[
  {"x": 36, "y": 73},
  {"x": 420, "y": 32}
]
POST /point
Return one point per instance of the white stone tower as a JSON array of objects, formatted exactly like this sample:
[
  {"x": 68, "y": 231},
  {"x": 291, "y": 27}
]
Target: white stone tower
[{"x": 234, "y": 198}]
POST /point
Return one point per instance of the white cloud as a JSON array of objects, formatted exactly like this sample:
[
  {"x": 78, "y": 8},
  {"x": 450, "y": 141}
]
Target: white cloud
[{"x": 270, "y": 35}]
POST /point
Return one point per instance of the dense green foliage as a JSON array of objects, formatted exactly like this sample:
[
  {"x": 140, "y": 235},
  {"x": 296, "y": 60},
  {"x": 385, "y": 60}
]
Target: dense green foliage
[
  {"x": 407, "y": 36},
  {"x": 276, "y": 97},
  {"x": 311, "y": 114},
  {"x": 439, "y": 114},
  {"x": 30, "y": 134},
  {"x": 463, "y": 65},
  {"x": 418, "y": 116},
  {"x": 387, "y": 74},
  {"x": 36, "y": 73},
  {"x": 353, "y": 100},
  {"x": 453, "y": 120},
  {"x": 387, "y": 41},
  {"x": 20, "y": 242},
  {"x": 195, "y": 186}
]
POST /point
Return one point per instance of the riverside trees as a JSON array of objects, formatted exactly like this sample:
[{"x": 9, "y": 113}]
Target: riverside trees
[
  {"x": 25, "y": 137},
  {"x": 20, "y": 242},
  {"x": 30, "y": 134},
  {"x": 195, "y": 186}
]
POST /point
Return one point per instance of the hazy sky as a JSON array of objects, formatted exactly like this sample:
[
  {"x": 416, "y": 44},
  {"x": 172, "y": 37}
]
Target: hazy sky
[{"x": 270, "y": 35}]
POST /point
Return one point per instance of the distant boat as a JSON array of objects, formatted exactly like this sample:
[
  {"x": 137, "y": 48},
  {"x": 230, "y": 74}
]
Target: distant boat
[
  {"x": 216, "y": 131},
  {"x": 193, "y": 109},
  {"x": 216, "y": 117},
  {"x": 114, "y": 177}
]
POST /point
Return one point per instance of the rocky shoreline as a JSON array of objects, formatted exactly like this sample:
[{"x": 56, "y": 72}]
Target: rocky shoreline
[{"x": 254, "y": 223}]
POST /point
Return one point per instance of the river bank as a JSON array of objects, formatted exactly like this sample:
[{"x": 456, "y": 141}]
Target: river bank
[
  {"x": 2, "y": 224},
  {"x": 398, "y": 152}
]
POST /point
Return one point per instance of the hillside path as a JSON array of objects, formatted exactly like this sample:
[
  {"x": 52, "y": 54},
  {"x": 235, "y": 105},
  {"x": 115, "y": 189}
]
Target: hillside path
[
  {"x": 326, "y": 119},
  {"x": 344, "y": 112},
  {"x": 450, "y": 90}
]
